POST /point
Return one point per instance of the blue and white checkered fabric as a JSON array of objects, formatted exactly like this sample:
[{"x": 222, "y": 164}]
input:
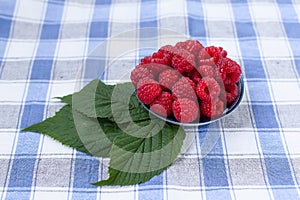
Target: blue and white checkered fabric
[{"x": 44, "y": 44}]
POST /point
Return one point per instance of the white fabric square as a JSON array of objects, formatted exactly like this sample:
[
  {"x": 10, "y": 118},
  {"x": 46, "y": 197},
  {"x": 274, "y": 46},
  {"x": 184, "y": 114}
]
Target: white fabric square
[
  {"x": 6, "y": 142},
  {"x": 20, "y": 49},
  {"x": 250, "y": 194},
  {"x": 77, "y": 13},
  {"x": 264, "y": 11},
  {"x": 125, "y": 12},
  {"x": 50, "y": 195},
  {"x": 174, "y": 8},
  {"x": 272, "y": 49},
  {"x": 292, "y": 140},
  {"x": 51, "y": 146},
  {"x": 219, "y": 11},
  {"x": 71, "y": 49},
  {"x": 286, "y": 91},
  {"x": 10, "y": 91},
  {"x": 112, "y": 195},
  {"x": 240, "y": 143},
  {"x": 59, "y": 89},
  {"x": 30, "y": 10},
  {"x": 181, "y": 194}
]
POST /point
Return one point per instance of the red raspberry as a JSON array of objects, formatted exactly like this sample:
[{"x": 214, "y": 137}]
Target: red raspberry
[
  {"x": 147, "y": 90},
  {"x": 155, "y": 69},
  {"x": 207, "y": 89},
  {"x": 193, "y": 46},
  {"x": 168, "y": 49},
  {"x": 138, "y": 73},
  {"x": 212, "y": 109},
  {"x": 162, "y": 105},
  {"x": 206, "y": 70},
  {"x": 168, "y": 78},
  {"x": 232, "y": 92},
  {"x": 185, "y": 110},
  {"x": 194, "y": 75},
  {"x": 211, "y": 55},
  {"x": 160, "y": 57},
  {"x": 183, "y": 61},
  {"x": 184, "y": 88},
  {"x": 229, "y": 70}
]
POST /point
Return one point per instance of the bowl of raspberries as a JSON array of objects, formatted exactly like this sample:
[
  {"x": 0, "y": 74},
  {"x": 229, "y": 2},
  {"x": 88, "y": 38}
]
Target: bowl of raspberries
[{"x": 188, "y": 84}]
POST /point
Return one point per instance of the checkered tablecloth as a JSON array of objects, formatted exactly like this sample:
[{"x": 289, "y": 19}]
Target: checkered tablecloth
[{"x": 44, "y": 49}]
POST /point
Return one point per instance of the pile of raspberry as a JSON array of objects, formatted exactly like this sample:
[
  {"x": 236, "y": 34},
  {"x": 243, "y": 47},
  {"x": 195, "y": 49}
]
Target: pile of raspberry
[{"x": 187, "y": 81}]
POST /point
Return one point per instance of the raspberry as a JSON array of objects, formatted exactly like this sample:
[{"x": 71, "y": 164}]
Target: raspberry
[
  {"x": 193, "y": 46},
  {"x": 160, "y": 57},
  {"x": 155, "y": 69},
  {"x": 232, "y": 92},
  {"x": 168, "y": 49},
  {"x": 138, "y": 73},
  {"x": 194, "y": 75},
  {"x": 168, "y": 78},
  {"x": 162, "y": 105},
  {"x": 207, "y": 89},
  {"x": 206, "y": 70},
  {"x": 212, "y": 109},
  {"x": 147, "y": 90},
  {"x": 183, "y": 61},
  {"x": 229, "y": 70},
  {"x": 185, "y": 110},
  {"x": 184, "y": 88},
  {"x": 211, "y": 55}
]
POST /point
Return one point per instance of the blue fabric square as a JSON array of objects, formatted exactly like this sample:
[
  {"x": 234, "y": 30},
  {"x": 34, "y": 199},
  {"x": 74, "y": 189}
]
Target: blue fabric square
[
  {"x": 292, "y": 30},
  {"x": 80, "y": 195},
  {"x": 156, "y": 180},
  {"x": 50, "y": 31},
  {"x": 285, "y": 193},
  {"x": 196, "y": 27},
  {"x": 22, "y": 172},
  {"x": 253, "y": 68},
  {"x": 297, "y": 62},
  {"x": 46, "y": 50},
  {"x": 98, "y": 29},
  {"x": 148, "y": 11},
  {"x": 274, "y": 147},
  {"x": 217, "y": 194},
  {"x": 94, "y": 68},
  {"x": 19, "y": 195},
  {"x": 249, "y": 49},
  {"x": 151, "y": 194},
  {"x": 264, "y": 116},
  {"x": 33, "y": 113},
  {"x": 214, "y": 172},
  {"x": 37, "y": 93},
  {"x": 2, "y": 50},
  {"x": 5, "y": 27},
  {"x": 244, "y": 29},
  {"x": 259, "y": 91},
  {"x": 150, "y": 23},
  {"x": 7, "y": 7},
  {"x": 86, "y": 172},
  {"x": 41, "y": 70},
  {"x": 54, "y": 12},
  {"x": 278, "y": 171}
]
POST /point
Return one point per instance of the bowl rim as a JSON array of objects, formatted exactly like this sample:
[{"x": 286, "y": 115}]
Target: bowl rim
[{"x": 227, "y": 112}]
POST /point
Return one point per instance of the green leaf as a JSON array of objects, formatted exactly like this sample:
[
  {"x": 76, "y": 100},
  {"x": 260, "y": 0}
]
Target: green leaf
[
  {"x": 73, "y": 129},
  {"x": 115, "y": 102},
  {"x": 137, "y": 159},
  {"x": 94, "y": 100}
]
